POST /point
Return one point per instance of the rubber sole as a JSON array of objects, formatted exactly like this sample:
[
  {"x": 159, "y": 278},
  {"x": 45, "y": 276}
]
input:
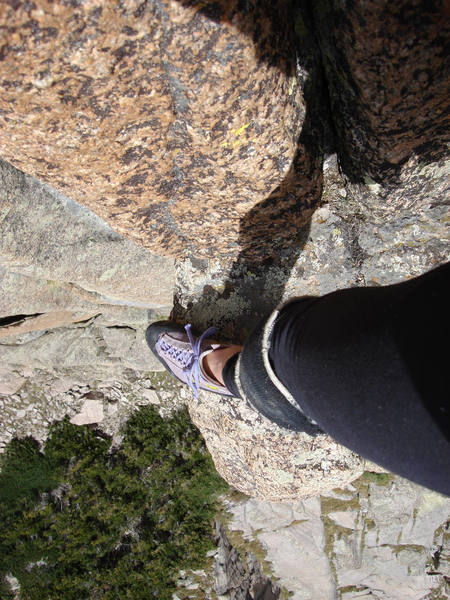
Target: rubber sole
[{"x": 152, "y": 334}]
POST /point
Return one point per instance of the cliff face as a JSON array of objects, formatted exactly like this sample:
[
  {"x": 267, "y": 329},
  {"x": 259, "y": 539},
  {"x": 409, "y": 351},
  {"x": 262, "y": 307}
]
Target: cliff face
[
  {"x": 75, "y": 298},
  {"x": 161, "y": 117},
  {"x": 381, "y": 537},
  {"x": 73, "y": 293},
  {"x": 275, "y": 149},
  {"x": 271, "y": 148}
]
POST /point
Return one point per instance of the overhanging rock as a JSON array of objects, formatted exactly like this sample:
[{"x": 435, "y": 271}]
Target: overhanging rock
[{"x": 164, "y": 119}]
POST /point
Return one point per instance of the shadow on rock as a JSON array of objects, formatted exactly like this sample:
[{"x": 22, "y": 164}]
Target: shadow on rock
[
  {"x": 270, "y": 26},
  {"x": 374, "y": 84},
  {"x": 386, "y": 69},
  {"x": 385, "y": 65},
  {"x": 272, "y": 234}
]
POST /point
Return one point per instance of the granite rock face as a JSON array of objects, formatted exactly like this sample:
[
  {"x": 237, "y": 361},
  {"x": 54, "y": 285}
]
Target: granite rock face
[
  {"x": 381, "y": 537},
  {"x": 56, "y": 253},
  {"x": 196, "y": 128},
  {"x": 362, "y": 234},
  {"x": 162, "y": 117},
  {"x": 268, "y": 462},
  {"x": 386, "y": 71}
]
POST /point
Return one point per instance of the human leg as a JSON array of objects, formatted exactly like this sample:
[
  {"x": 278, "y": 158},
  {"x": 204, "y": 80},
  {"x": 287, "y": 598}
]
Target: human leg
[
  {"x": 368, "y": 365},
  {"x": 215, "y": 361}
]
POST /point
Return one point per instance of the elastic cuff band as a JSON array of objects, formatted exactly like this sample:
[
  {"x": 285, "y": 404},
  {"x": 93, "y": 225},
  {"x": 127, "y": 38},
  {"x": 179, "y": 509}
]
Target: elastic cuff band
[
  {"x": 261, "y": 388},
  {"x": 228, "y": 375}
]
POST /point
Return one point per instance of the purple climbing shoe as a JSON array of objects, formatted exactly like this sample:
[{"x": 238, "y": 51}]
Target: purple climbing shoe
[{"x": 182, "y": 354}]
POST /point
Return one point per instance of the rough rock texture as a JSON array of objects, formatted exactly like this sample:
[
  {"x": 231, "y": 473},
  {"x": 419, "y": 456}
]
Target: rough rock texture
[
  {"x": 73, "y": 293},
  {"x": 31, "y": 399},
  {"x": 360, "y": 235},
  {"x": 349, "y": 242},
  {"x": 162, "y": 117},
  {"x": 98, "y": 347},
  {"x": 266, "y": 461},
  {"x": 386, "y": 68},
  {"x": 233, "y": 580},
  {"x": 55, "y": 253},
  {"x": 198, "y": 131},
  {"x": 197, "y": 127},
  {"x": 91, "y": 412},
  {"x": 186, "y": 135},
  {"x": 382, "y": 538}
]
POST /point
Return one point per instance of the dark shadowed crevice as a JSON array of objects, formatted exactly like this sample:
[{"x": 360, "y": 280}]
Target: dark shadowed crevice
[
  {"x": 385, "y": 67},
  {"x": 17, "y": 319},
  {"x": 273, "y": 233}
]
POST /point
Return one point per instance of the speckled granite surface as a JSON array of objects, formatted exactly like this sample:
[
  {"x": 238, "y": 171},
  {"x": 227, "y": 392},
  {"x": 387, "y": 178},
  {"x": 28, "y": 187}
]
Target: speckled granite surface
[
  {"x": 163, "y": 118},
  {"x": 386, "y": 66},
  {"x": 196, "y": 128}
]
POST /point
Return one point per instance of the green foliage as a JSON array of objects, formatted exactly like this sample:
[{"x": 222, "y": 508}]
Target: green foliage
[
  {"x": 107, "y": 524},
  {"x": 25, "y": 471}
]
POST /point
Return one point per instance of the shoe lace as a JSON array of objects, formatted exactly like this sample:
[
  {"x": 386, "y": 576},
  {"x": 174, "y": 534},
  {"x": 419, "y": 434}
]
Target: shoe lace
[{"x": 193, "y": 366}]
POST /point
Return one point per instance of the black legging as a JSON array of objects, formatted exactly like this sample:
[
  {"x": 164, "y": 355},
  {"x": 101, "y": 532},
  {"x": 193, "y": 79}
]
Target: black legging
[{"x": 370, "y": 366}]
